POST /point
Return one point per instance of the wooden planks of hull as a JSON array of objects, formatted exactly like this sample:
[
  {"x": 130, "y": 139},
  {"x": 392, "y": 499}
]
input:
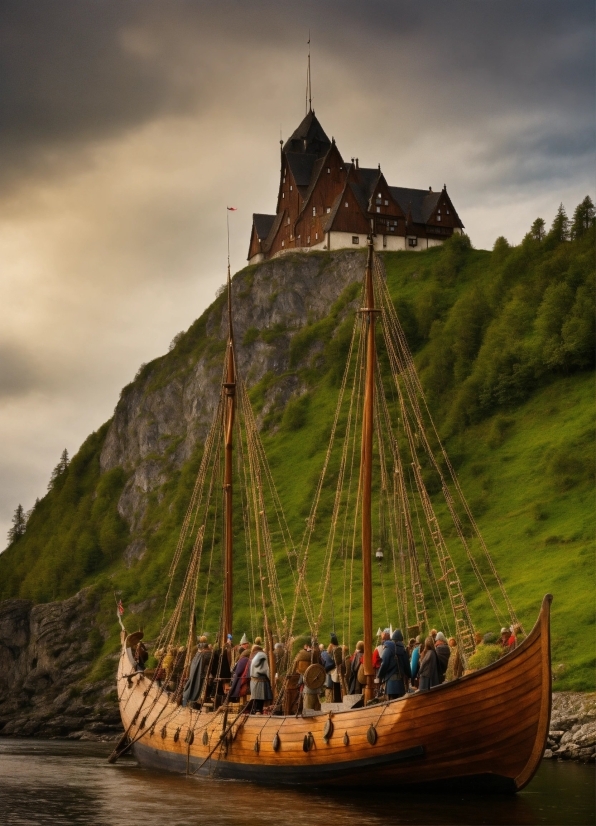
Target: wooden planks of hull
[{"x": 490, "y": 725}]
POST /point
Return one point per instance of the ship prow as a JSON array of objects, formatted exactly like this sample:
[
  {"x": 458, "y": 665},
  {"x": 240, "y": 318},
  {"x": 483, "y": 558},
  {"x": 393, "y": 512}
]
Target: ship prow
[{"x": 489, "y": 727}]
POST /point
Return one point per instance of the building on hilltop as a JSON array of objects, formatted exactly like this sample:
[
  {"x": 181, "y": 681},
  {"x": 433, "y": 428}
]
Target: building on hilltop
[{"x": 325, "y": 203}]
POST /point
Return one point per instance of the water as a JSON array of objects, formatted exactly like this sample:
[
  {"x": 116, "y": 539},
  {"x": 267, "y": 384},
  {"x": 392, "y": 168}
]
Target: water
[{"x": 57, "y": 782}]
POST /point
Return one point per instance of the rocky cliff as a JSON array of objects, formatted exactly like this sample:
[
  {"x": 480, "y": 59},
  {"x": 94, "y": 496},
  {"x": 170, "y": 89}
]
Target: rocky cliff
[
  {"x": 168, "y": 409},
  {"x": 46, "y": 656}
]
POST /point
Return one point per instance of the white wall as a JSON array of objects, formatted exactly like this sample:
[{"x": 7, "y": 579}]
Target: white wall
[{"x": 343, "y": 240}]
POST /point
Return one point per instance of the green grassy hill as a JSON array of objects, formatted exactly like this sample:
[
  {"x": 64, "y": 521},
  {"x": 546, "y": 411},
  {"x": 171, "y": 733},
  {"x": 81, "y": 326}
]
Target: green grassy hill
[{"x": 504, "y": 343}]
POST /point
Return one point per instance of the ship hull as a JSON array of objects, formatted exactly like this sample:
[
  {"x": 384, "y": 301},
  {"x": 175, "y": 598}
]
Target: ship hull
[{"x": 486, "y": 730}]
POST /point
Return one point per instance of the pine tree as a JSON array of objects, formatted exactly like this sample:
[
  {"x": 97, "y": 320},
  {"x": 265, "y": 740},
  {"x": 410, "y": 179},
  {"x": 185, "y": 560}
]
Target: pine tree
[
  {"x": 559, "y": 230},
  {"x": 583, "y": 218},
  {"x": 537, "y": 230},
  {"x": 19, "y": 524},
  {"x": 60, "y": 468}
]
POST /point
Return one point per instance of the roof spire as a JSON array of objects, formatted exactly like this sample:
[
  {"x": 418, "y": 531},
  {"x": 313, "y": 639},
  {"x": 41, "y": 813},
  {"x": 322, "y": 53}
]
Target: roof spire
[{"x": 308, "y": 85}]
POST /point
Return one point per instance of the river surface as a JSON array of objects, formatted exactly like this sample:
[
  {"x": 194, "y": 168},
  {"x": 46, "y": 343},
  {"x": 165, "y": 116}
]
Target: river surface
[{"x": 57, "y": 782}]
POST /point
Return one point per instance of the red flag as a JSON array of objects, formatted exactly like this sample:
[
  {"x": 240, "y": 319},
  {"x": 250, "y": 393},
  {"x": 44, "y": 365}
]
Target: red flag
[
  {"x": 120, "y": 608},
  {"x": 232, "y": 209}
]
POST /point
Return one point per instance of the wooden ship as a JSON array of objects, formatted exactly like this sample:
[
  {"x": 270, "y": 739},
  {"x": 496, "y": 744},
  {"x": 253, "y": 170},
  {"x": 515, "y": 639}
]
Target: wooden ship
[{"x": 486, "y": 729}]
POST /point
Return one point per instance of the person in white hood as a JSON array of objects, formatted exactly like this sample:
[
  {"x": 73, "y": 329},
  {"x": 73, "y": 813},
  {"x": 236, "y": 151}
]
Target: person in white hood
[{"x": 260, "y": 684}]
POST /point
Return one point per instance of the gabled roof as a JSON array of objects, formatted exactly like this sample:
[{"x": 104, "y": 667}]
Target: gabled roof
[
  {"x": 360, "y": 196},
  {"x": 367, "y": 179},
  {"x": 266, "y": 245},
  {"x": 262, "y": 224},
  {"x": 419, "y": 202},
  {"x": 334, "y": 208},
  {"x": 308, "y": 138},
  {"x": 301, "y": 166}
]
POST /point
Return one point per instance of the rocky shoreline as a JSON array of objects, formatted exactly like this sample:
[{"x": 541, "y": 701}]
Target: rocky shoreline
[{"x": 572, "y": 733}]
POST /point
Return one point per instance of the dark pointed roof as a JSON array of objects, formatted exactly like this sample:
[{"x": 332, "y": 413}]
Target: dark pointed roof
[
  {"x": 301, "y": 166},
  {"x": 420, "y": 202},
  {"x": 309, "y": 138},
  {"x": 263, "y": 224}
]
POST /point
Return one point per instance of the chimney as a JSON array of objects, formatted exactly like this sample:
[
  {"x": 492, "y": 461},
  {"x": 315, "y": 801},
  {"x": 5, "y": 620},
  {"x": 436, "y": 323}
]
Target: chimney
[
  {"x": 430, "y": 189},
  {"x": 357, "y": 167}
]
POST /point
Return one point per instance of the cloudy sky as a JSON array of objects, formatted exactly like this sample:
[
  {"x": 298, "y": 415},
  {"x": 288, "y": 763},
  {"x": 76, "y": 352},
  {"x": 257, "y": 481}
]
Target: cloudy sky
[{"x": 127, "y": 126}]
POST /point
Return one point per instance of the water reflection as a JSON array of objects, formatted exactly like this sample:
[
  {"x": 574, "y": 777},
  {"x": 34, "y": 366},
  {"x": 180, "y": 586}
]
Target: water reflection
[{"x": 54, "y": 782}]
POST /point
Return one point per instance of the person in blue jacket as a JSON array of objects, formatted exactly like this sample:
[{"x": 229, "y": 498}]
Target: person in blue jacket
[
  {"x": 415, "y": 661},
  {"x": 395, "y": 666}
]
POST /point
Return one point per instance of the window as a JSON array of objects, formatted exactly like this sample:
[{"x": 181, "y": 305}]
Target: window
[
  {"x": 327, "y": 209},
  {"x": 386, "y": 203},
  {"x": 355, "y": 239},
  {"x": 288, "y": 221},
  {"x": 412, "y": 242},
  {"x": 283, "y": 243},
  {"x": 346, "y": 204},
  {"x": 379, "y": 195},
  {"x": 328, "y": 170},
  {"x": 447, "y": 212},
  {"x": 378, "y": 209},
  {"x": 314, "y": 211},
  {"x": 316, "y": 236},
  {"x": 392, "y": 229},
  {"x": 290, "y": 187},
  {"x": 283, "y": 194},
  {"x": 384, "y": 240},
  {"x": 308, "y": 240},
  {"x": 438, "y": 217},
  {"x": 284, "y": 180}
]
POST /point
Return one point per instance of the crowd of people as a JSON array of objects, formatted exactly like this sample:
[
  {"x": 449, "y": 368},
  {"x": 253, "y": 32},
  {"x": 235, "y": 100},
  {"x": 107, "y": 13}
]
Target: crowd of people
[{"x": 243, "y": 675}]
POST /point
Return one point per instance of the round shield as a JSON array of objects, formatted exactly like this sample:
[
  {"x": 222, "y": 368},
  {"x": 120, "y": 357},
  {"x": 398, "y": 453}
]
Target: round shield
[
  {"x": 134, "y": 639},
  {"x": 314, "y": 676}
]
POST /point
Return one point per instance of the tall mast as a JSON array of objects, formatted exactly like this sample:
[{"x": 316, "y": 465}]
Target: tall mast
[
  {"x": 308, "y": 101},
  {"x": 229, "y": 389},
  {"x": 366, "y": 470}
]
